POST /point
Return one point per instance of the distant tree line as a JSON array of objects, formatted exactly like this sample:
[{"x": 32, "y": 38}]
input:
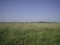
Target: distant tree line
[{"x": 29, "y": 22}]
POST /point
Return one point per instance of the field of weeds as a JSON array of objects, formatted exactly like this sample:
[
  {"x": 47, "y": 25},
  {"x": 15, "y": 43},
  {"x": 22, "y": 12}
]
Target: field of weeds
[{"x": 29, "y": 33}]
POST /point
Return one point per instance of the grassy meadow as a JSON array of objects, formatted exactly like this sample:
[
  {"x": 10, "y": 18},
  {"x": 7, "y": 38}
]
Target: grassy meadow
[{"x": 29, "y": 33}]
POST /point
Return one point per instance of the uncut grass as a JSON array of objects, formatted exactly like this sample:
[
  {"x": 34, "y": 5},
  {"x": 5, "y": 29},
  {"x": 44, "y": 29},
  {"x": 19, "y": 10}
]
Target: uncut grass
[{"x": 29, "y": 34}]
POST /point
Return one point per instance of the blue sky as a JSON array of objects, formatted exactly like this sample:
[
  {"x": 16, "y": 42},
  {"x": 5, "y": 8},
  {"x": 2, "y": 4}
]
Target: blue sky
[{"x": 29, "y": 10}]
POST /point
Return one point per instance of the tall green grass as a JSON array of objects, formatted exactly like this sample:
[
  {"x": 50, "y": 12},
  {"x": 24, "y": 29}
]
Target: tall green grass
[{"x": 29, "y": 33}]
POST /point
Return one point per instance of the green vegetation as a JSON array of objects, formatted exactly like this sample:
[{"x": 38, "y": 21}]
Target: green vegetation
[{"x": 29, "y": 33}]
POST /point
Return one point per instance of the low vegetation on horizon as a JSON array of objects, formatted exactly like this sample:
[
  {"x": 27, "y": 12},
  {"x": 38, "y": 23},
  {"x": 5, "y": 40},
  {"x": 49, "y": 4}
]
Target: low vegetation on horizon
[{"x": 29, "y": 33}]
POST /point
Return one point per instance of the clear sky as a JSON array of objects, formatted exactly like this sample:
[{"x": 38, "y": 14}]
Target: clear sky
[{"x": 29, "y": 10}]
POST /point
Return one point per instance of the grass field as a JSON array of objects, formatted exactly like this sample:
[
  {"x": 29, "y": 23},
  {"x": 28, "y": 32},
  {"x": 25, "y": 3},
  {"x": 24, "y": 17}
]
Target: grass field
[{"x": 29, "y": 33}]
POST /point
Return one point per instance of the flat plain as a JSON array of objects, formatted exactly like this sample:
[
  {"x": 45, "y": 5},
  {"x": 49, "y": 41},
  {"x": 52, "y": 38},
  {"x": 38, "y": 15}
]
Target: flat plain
[{"x": 15, "y": 33}]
